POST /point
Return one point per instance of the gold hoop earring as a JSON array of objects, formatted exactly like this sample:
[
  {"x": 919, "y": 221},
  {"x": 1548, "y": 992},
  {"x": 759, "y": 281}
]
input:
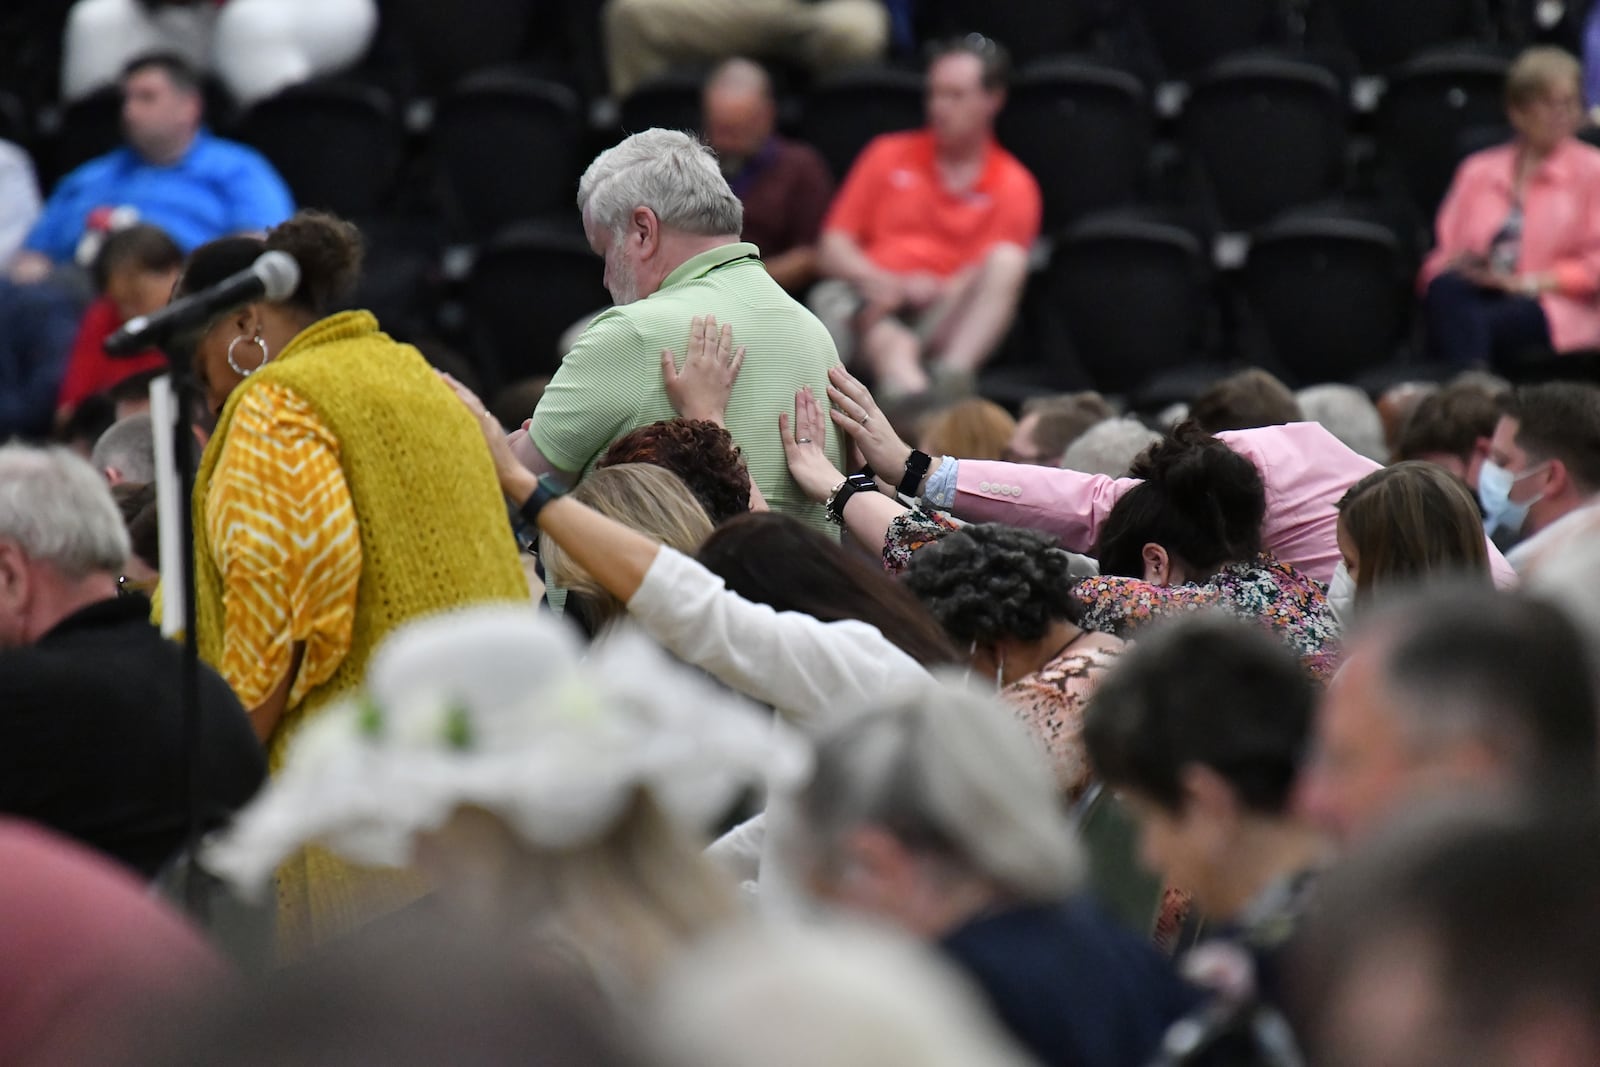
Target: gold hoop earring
[{"x": 259, "y": 343}]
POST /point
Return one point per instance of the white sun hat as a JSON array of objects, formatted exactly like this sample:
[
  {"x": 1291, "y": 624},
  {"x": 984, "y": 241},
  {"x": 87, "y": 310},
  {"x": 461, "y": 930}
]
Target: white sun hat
[{"x": 497, "y": 708}]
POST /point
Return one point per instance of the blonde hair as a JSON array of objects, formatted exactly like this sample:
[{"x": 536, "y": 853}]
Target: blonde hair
[
  {"x": 642, "y": 497},
  {"x": 1537, "y": 71},
  {"x": 971, "y": 429}
]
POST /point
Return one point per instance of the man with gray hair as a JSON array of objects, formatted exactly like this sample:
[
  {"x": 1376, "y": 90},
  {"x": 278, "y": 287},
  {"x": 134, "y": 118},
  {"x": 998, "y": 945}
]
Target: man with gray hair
[
  {"x": 92, "y": 743},
  {"x": 1109, "y": 447},
  {"x": 1349, "y": 414},
  {"x": 784, "y": 185},
  {"x": 126, "y": 453},
  {"x": 657, "y": 209}
]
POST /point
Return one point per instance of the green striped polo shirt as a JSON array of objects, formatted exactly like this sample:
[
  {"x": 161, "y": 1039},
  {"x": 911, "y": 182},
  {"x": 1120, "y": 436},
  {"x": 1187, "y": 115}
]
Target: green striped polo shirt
[{"x": 610, "y": 383}]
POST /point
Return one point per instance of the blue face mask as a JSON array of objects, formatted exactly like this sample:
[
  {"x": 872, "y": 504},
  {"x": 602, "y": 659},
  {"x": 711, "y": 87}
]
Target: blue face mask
[{"x": 1494, "y": 493}]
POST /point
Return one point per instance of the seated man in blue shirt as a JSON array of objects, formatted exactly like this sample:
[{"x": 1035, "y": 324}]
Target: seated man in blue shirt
[{"x": 172, "y": 173}]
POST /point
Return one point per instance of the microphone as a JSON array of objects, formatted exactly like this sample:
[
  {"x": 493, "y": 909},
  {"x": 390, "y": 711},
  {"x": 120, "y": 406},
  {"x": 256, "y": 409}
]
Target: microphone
[{"x": 274, "y": 276}]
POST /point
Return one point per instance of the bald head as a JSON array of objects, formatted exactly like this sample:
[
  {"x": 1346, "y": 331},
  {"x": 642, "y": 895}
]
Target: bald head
[{"x": 739, "y": 112}]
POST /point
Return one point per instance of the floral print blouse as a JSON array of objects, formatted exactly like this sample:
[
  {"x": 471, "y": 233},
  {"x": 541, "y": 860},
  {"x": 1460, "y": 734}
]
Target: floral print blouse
[
  {"x": 1291, "y": 604},
  {"x": 1052, "y": 700}
]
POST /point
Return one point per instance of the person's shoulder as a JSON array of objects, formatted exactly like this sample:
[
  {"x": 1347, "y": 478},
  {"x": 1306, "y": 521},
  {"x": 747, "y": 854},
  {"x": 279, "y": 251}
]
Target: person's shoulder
[
  {"x": 621, "y": 334},
  {"x": 801, "y": 155},
  {"x": 894, "y": 149},
  {"x": 620, "y": 324},
  {"x": 1012, "y": 173},
  {"x": 99, "y": 169},
  {"x": 219, "y": 153},
  {"x": 1487, "y": 160},
  {"x": 13, "y": 156},
  {"x": 1583, "y": 156}
]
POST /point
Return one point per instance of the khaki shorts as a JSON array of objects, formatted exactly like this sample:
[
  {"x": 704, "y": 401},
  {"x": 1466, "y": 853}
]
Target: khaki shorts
[{"x": 836, "y": 302}]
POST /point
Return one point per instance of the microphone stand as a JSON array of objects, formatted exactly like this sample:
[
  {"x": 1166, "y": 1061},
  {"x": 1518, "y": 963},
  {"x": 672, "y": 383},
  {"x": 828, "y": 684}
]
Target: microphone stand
[{"x": 185, "y": 394}]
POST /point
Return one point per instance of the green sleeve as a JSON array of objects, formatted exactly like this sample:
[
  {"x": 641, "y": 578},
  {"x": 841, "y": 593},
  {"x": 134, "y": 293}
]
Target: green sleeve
[{"x": 595, "y": 395}]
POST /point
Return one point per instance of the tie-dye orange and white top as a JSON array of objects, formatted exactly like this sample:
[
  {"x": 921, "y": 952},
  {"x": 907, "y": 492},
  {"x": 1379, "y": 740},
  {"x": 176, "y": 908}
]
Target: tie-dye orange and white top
[{"x": 283, "y": 530}]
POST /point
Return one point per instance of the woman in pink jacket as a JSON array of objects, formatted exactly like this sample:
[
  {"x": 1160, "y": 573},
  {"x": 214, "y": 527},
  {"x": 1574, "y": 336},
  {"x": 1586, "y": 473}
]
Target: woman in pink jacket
[{"x": 1516, "y": 266}]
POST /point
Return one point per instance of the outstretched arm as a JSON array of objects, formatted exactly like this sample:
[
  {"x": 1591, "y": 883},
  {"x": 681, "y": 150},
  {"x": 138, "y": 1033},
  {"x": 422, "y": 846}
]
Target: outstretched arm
[
  {"x": 608, "y": 551},
  {"x": 1066, "y": 504},
  {"x": 866, "y": 515}
]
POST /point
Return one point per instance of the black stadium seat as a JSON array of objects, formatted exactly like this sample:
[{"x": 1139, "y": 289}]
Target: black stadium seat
[
  {"x": 1132, "y": 295},
  {"x": 337, "y": 145},
  {"x": 1190, "y": 35},
  {"x": 1029, "y": 29},
  {"x": 1084, "y": 131},
  {"x": 848, "y": 109},
  {"x": 508, "y": 149},
  {"x": 1264, "y": 134},
  {"x": 447, "y": 42},
  {"x": 671, "y": 101},
  {"x": 526, "y": 287},
  {"x": 1382, "y": 34},
  {"x": 14, "y": 121},
  {"x": 90, "y": 127},
  {"x": 1329, "y": 295},
  {"x": 1435, "y": 108}
]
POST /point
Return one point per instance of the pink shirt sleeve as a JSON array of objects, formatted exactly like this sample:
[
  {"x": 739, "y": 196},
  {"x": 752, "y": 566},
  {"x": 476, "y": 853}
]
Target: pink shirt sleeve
[
  {"x": 1069, "y": 505},
  {"x": 1304, "y": 468}
]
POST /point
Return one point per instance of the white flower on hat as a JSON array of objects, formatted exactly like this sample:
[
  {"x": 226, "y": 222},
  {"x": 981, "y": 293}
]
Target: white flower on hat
[{"x": 495, "y": 708}]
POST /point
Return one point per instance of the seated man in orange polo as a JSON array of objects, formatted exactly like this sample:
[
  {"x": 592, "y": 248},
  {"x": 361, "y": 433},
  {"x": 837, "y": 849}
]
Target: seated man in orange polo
[{"x": 926, "y": 247}]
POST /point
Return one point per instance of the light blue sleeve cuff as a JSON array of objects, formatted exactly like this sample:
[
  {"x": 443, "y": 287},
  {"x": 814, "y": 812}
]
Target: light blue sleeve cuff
[{"x": 941, "y": 488}]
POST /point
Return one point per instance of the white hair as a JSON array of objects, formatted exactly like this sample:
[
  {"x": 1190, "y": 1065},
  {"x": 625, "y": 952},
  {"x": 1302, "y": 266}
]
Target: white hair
[
  {"x": 59, "y": 510},
  {"x": 129, "y": 448},
  {"x": 1349, "y": 414},
  {"x": 1109, "y": 447},
  {"x": 953, "y": 770},
  {"x": 842, "y": 995},
  {"x": 668, "y": 172}
]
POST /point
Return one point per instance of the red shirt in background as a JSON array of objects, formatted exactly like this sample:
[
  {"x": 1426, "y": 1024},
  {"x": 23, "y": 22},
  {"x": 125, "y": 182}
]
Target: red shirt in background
[
  {"x": 896, "y": 207},
  {"x": 89, "y": 369}
]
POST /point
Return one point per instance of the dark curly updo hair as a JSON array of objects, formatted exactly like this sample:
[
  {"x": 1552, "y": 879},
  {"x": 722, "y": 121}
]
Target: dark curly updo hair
[
  {"x": 701, "y": 453},
  {"x": 328, "y": 249},
  {"x": 1200, "y": 500},
  {"x": 988, "y": 582}
]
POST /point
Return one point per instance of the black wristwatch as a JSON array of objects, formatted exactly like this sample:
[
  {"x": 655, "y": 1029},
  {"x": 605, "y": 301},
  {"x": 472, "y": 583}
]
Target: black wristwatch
[
  {"x": 856, "y": 483},
  {"x": 916, "y": 469},
  {"x": 545, "y": 491}
]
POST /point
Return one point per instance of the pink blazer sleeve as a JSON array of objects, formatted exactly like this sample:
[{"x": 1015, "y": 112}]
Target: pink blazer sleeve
[
  {"x": 1066, "y": 504},
  {"x": 1304, "y": 468}
]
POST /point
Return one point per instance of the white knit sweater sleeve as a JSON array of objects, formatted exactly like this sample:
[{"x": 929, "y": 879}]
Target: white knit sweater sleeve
[{"x": 811, "y": 671}]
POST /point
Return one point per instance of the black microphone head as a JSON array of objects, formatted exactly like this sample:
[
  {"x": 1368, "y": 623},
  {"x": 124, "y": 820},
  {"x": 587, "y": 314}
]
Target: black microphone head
[{"x": 279, "y": 274}]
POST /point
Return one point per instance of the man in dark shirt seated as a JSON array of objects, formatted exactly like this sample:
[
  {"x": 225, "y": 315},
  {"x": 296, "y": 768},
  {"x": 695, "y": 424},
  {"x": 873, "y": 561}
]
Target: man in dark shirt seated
[
  {"x": 91, "y": 722},
  {"x": 784, "y": 185}
]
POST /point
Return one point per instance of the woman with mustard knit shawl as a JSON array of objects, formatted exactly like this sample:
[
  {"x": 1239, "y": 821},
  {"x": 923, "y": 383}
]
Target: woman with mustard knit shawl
[{"x": 344, "y": 492}]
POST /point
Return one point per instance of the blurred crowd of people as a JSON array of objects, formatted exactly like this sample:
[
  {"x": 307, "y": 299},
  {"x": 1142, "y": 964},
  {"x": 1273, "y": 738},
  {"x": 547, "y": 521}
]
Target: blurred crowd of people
[{"x": 750, "y": 690}]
